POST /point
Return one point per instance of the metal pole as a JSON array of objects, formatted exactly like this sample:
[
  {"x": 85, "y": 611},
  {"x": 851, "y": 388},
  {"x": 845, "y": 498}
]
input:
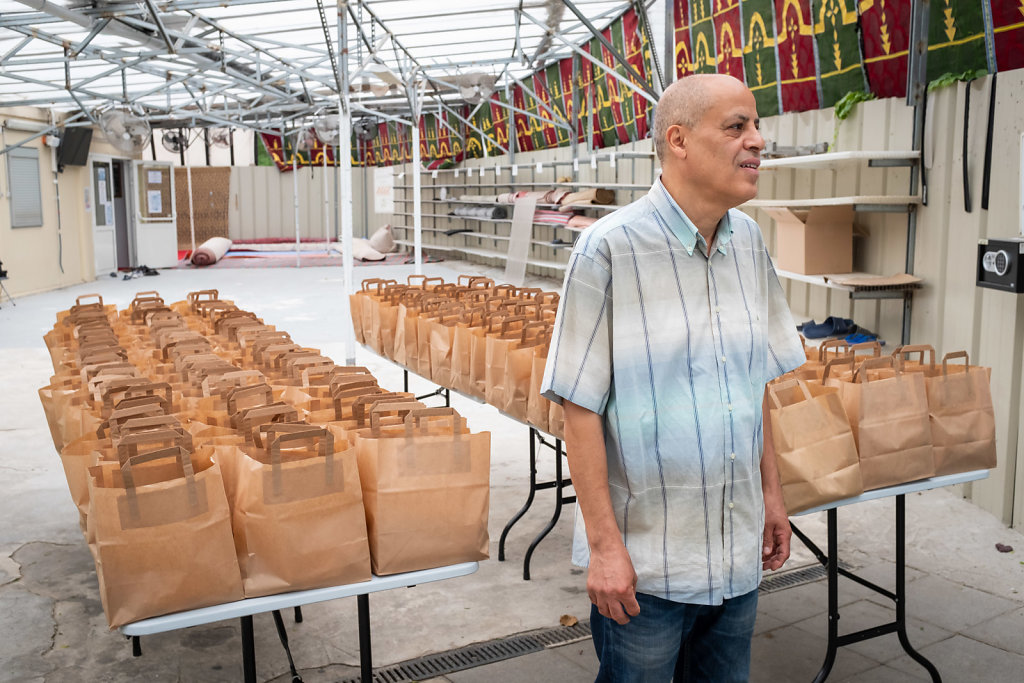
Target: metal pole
[
  {"x": 327, "y": 203},
  {"x": 295, "y": 188},
  {"x": 191, "y": 213},
  {"x": 344, "y": 165},
  {"x": 417, "y": 202}
]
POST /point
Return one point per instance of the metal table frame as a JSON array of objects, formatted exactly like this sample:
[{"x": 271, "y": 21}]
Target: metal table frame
[
  {"x": 244, "y": 609},
  {"x": 830, "y": 560}
]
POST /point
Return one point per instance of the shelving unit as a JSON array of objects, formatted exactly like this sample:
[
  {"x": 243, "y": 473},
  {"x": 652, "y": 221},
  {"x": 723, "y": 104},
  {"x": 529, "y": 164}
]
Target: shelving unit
[
  {"x": 488, "y": 238},
  {"x": 887, "y": 203}
]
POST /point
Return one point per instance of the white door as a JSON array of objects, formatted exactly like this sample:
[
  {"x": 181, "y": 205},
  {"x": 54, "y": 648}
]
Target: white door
[
  {"x": 156, "y": 228},
  {"x": 104, "y": 233}
]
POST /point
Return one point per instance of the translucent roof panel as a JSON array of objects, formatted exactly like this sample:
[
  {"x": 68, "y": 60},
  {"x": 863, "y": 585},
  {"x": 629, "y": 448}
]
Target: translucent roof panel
[{"x": 251, "y": 62}]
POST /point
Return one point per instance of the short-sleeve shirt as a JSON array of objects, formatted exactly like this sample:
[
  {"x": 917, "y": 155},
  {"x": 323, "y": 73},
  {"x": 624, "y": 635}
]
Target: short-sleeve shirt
[{"x": 672, "y": 342}]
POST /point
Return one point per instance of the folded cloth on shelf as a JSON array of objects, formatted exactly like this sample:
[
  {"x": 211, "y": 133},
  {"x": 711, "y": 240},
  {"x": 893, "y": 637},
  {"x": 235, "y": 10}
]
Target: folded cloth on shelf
[
  {"x": 382, "y": 240},
  {"x": 551, "y": 217},
  {"x": 482, "y": 198},
  {"x": 579, "y": 221},
  {"x": 831, "y": 327},
  {"x": 589, "y": 197},
  {"x": 492, "y": 212}
]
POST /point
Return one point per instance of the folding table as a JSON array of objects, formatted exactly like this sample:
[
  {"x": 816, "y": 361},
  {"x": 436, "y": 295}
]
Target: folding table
[
  {"x": 831, "y": 563},
  {"x": 244, "y": 609}
]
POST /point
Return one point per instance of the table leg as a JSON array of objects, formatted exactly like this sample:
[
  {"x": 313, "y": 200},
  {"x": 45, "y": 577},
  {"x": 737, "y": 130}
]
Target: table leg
[
  {"x": 832, "y": 570},
  {"x": 559, "y": 485},
  {"x": 365, "y": 653},
  {"x": 248, "y": 651},
  {"x": 901, "y": 591},
  {"x": 298, "y": 615},
  {"x": 529, "y": 498}
]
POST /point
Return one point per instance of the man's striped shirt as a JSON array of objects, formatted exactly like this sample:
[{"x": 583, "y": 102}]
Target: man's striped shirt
[{"x": 673, "y": 348}]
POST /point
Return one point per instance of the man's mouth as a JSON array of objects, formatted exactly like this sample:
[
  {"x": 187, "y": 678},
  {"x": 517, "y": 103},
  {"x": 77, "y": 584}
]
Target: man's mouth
[{"x": 753, "y": 164}]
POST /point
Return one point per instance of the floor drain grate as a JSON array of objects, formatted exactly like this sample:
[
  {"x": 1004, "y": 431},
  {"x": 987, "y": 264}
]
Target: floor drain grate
[
  {"x": 441, "y": 663},
  {"x": 796, "y": 577}
]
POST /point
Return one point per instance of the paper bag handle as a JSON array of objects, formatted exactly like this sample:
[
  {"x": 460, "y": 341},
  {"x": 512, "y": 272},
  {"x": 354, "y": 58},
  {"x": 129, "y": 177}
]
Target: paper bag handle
[
  {"x": 251, "y": 391},
  {"x": 873, "y": 346},
  {"x": 414, "y": 419},
  {"x": 837, "y": 344},
  {"x": 901, "y": 352},
  {"x": 835, "y": 362},
  {"x": 860, "y": 374},
  {"x": 399, "y": 408},
  {"x": 129, "y": 444},
  {"x": 78, "y": 299},
  {"x": 773, "y": 390},
  {"x": 950, "y": 356}
]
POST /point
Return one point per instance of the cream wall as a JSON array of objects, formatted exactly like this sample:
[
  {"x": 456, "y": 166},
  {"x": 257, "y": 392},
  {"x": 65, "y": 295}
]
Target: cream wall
[{"x": 33, "y": 257}]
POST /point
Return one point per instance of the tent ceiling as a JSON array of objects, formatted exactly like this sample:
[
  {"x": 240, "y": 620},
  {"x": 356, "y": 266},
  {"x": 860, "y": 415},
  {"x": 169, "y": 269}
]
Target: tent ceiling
[{"x": 263, "y": 63}]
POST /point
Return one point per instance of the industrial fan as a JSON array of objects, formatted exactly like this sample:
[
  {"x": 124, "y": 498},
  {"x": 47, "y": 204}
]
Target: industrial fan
[
  {"x": 174, "y": 141},
  {"x": 125, "y": 131},
  {"x": 220, "y": 137},
  {"x": 326, "y": 129},
  {"x": 365, "y": 129}
]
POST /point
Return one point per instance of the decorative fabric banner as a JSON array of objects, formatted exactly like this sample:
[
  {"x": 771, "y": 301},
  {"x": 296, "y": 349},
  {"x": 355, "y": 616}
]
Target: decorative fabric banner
[
  {"x": 589, "y": 101},
  {"x": 498, "y": 123},
  {"x": 759, "y": 56},
  {"x": 579, "y": 121},
  {"x": 956, "y": 37},
  {"x": 797, "y": 66},
  {"x": 1008, "y": 33},
  {"x": 683, "y": 53},
  {"x": 729, "y": 38},
  {"x": 524, "y": 123},
  {"x": 553, "y": 136},
  {"x": 702, "y": 38},
  {"x": 638, "y": 54},
  {"x": 885, "y": 31},
  {"x": 839, "y": 60},
  {"x": 554, "y": 92},
  {"x": 281, "y": 149},
  {"x": 474, "y": 140},
  {"x": 604, "y": 105}
]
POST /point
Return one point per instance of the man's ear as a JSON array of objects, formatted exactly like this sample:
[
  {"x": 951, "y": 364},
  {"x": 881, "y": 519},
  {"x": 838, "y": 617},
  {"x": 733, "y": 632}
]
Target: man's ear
[{"x": 677, "y": 139}]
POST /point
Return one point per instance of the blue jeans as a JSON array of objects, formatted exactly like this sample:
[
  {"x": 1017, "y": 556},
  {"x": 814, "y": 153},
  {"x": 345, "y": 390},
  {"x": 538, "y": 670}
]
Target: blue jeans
[{"x": 671, "y": 639}]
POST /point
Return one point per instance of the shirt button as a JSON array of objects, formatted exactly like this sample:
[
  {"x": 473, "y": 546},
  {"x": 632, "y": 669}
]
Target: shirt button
[
  {"x": 732, "y": 456},
  {"x": 718, "y": 309},
  {"x": 723, "y": 359},
  {"x": 731, "y": 506},
  {"x": 729, "y": 406}
]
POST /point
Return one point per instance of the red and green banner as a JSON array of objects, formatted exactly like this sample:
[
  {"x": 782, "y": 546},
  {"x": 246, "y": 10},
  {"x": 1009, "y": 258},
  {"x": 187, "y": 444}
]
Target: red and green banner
[
  {"x": 759, "y": 56},
  {"x": 885, "y": 33},
  {"x": 498, "y": 122},
  {"x": 638, "y": 54},
  {"x": 702, "y": 38},
  {"x": 729, "y": 38},
  {"x": 683, "y": 53},
  {"x": 558, "y": 93},
  {"x": 798, "y": 69},
  {"x": 956, "y": 37},
  {"x": 589, "y": 101},
  {"x": 553, "y": 135},
  {"x": 1008, "y": 33},
  {"x": 839, "y": 60},
  {"x": 281, "y": 149}
]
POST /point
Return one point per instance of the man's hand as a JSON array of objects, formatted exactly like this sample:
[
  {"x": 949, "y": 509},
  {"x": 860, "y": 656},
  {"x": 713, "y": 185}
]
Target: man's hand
[
  {"x": 611, "y": 584},
  {"x": 777, "y": 533}
]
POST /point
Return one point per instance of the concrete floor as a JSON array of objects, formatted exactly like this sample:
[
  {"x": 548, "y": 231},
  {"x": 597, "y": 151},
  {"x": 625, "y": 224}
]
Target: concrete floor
[{"x": 965, "y": 602}]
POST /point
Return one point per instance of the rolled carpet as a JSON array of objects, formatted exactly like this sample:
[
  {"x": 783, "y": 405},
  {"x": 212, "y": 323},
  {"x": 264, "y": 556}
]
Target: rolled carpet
[{"x": 211, "y": 251}]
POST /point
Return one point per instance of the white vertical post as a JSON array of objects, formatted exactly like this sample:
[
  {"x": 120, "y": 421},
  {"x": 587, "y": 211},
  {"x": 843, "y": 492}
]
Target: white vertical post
[
  {"x": 417, "y": 204},
  {"x": 344, "y": 165},
  {"x": 295, "y": 187},
  {"x": 327, "y": 203},
  {"x": 191, "y": 213}
]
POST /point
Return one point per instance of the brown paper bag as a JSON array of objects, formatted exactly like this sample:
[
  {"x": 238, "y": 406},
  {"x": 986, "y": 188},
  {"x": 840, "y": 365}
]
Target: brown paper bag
[
  {"x": 426, "y": 491},
  {"x": 814, "y": 445},
  {"x": 498, "y": 342},
  {"x": 538, "y": 408},
  {"x": 468, "y": 327},
  {"x": 519, "y": 364},
  {"x": 962, "y": 418},
  {"x": 165, "y": 546},
  {"x": 888, "y": 413},
  {"x": 297, "y": 514},
  {"x": 442, "y": 336}
]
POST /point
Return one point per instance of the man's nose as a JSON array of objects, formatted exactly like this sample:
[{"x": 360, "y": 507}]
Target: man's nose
[{"x": 755, "y": 141}]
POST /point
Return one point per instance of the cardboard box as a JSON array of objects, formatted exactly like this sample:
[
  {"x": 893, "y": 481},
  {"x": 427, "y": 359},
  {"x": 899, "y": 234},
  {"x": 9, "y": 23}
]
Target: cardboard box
[{"x": 814, "y": 242}]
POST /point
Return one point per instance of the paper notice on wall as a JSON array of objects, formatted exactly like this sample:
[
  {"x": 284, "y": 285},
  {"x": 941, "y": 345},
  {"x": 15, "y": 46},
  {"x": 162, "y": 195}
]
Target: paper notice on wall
[
  {"x": 108, "y": 214},
  {"x": 154, "y": 202},
  {"x": 383, "y": 190},
  {"x": 102, "y": 187},
  {"x": 155, "y": 177}
]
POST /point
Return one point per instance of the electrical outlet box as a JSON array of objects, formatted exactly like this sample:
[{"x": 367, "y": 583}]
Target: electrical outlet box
[{"x": 1001, "y": 264}]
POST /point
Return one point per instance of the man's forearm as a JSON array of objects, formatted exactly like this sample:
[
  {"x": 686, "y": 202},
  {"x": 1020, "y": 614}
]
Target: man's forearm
[{"x": 588, "y": 466}]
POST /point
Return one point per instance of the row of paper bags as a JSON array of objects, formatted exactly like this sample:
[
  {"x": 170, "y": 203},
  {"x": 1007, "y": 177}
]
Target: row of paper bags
[
  {"x": 181, "y": 514},
  {"x": 484, "y": 340},
  {"x": 846, "y": 423}
]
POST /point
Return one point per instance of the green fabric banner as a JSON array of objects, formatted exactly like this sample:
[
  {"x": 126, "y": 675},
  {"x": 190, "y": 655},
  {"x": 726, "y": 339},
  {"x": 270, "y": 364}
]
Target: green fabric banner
[
  {"x": 702, "y": 37},
  {"x": 956, "y": 37},
  {"x": 839, "y": 58},
  {"x": 759, "y": 56}
]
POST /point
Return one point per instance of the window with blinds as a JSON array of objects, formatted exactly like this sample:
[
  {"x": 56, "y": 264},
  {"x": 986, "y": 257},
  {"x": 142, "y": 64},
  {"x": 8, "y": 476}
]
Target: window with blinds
[{"x": 26, "y": 197}]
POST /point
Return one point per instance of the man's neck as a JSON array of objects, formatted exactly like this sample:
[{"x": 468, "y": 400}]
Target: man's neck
[{"x": 704, "y": 215}]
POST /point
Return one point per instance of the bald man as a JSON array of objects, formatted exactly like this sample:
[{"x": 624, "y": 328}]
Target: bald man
[{"x": 671, "y": 323}]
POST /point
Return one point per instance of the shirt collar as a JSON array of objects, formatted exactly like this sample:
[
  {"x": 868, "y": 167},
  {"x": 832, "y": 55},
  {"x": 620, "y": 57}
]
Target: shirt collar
[{"x": 681, "y": 225}]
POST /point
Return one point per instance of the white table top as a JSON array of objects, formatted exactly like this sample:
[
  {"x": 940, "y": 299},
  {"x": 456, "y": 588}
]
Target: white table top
[
  {"x": 910, "y": 487},
  {"x": 242, "y": 608}
]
